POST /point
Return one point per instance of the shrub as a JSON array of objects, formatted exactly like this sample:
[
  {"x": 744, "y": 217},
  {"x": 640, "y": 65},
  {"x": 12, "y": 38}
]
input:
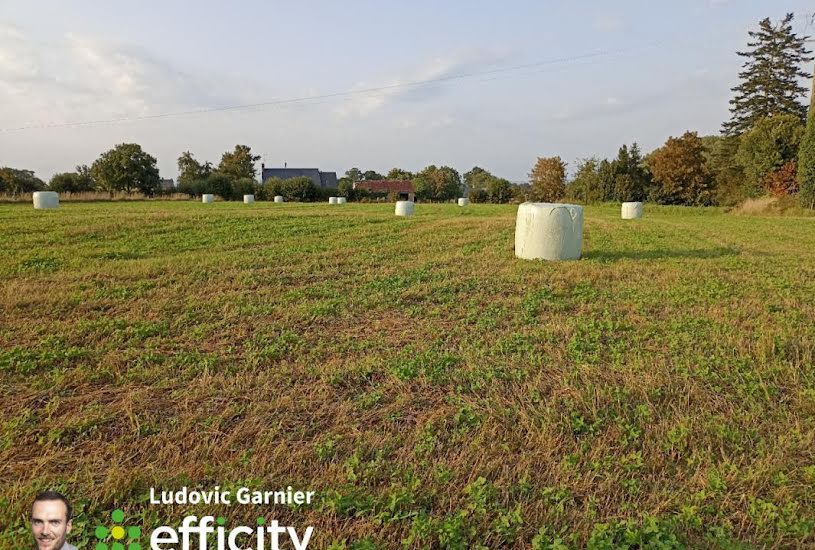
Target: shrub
[
  {"x": 783, "y": 181},
  {"x": 771, "y": 144}
]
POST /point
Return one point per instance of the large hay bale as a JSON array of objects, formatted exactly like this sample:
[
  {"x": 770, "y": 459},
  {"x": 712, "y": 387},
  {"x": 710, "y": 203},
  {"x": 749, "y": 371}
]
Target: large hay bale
[
  {"x": 404, "y": 208},
  {"x": 207, "y": 198},
  {"x": 248, "y": 199},
  {"x": 278, "y": 198},
  {"x": 341, "y": 200},
  {"x": 332, "y": 200},
  {"x": 463, "y": 201},
  {"x": 549, "y": 231},
  {"x": 46, "y": 199},
  {"x": 631, "y": 210}
]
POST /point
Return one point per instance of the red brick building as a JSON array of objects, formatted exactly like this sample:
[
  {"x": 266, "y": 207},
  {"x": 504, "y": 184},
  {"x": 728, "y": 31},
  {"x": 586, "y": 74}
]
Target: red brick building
[{"x": 403, "y": 189}]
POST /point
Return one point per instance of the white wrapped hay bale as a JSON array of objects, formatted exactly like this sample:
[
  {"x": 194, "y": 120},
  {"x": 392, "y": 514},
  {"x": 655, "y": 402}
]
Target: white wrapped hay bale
[
  {"x": 341, "y": 200},
  {"x": 332, "y": 200},
  {"x": 207, "y": 198},
  {"x": 463, "y": 201},
  {"x": 632, "y": 210},
  {"x": 46, "y": 199},
  {"x": 404, "y": 208},
  {"x": 248, "y": 199},
  {"x": 547, "y": 231},
  {"x": 278, "y": 198}
]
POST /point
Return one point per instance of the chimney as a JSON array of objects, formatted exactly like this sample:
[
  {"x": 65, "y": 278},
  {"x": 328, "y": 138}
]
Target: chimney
[{"x": 285, "y": 165}]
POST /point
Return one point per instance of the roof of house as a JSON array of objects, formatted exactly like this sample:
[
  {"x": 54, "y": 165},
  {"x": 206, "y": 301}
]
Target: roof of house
[
  {"x": 386, "y": 186},
  {"x": 320, "y": 179}
]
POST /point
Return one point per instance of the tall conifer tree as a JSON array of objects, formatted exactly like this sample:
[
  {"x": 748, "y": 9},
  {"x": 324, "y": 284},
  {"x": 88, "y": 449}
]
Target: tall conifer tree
[
  {"x": 770, "y": 79},
  {"x": 806, "y": 157}
]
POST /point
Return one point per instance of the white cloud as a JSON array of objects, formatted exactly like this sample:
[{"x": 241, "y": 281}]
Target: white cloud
[
  {"x": 420, "y": 84},
  {"x": 79, "y": 79}
]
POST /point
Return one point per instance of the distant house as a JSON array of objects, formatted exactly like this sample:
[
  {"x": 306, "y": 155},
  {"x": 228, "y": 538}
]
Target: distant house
[
  {"x": 167, "y": 185},
  {"x": 403, "y": 189},
  {"x": 320, "y": 179}
]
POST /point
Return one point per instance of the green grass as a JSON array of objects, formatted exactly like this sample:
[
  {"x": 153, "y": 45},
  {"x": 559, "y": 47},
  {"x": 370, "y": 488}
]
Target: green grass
[{"x": 434, "y": 390}]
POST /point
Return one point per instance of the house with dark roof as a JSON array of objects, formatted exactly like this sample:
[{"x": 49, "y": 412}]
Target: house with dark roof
[
  {"x": 402, "y": 189},
  {"x": 320, "y": 179}
]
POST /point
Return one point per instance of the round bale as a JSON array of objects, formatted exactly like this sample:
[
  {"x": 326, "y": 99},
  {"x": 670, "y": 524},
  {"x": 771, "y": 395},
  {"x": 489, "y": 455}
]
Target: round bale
[
  {"x": 463, "y": 201},
  {"x": 631, "y": 210},
  {"x": 46, "y": 199},
  {"x": 207, "y": 198},
  {"x": 248, "y": 199},
  {"x": 549, "y": 231},
  {"x": 404, "y": 208},
  {"x": 278, "y": 198},
  {"x": 332, "y": 200}
]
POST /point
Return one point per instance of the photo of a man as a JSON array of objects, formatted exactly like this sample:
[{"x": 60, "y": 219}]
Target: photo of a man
[{"x": 51, "y": 521}]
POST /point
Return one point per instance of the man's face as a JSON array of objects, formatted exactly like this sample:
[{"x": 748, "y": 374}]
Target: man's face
[{"x": 50, "y": 524}]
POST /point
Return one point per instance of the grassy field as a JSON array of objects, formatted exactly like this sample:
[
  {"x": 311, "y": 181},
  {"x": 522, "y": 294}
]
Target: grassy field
[{"x": 434, "y": 390}]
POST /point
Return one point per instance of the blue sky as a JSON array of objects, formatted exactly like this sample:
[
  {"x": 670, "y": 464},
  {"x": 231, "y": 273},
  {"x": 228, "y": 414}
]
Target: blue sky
[{"x": 511, "y": 81}]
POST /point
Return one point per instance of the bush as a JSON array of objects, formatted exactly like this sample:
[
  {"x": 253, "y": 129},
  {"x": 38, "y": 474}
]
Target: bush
[
  {"x": 479, "y": 195},
  {"x": 771, "y": 144},
  {"x": 300, "y": 189},
  {"x": 783, "y": 181},
  {"x": 244, "y": 186}
]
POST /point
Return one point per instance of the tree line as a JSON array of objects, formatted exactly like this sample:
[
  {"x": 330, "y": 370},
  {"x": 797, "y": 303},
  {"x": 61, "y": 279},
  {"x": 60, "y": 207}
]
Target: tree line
[{"x": 766, "y": 147}]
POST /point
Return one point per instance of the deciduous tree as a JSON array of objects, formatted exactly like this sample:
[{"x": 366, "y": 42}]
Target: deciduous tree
[
  {"x": 769, "y": 145},
  {"x": 548, "y": 179},
  {"x": 680, "y": 172},
  {"x": 127, "y": 168},
  {"x": 16, "y": 181},
  {"x": 238, "y": 164}
]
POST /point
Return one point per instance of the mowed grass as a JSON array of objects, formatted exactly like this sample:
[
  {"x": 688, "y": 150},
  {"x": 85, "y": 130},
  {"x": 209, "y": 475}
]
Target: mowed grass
[{"x": 436, "y": 391}]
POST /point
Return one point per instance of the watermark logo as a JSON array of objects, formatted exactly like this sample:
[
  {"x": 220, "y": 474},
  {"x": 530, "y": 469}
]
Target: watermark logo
[{"x": 117, "y": 536}]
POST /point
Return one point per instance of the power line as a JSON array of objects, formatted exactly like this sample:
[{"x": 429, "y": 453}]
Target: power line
[{"x": 334, "y": 95}]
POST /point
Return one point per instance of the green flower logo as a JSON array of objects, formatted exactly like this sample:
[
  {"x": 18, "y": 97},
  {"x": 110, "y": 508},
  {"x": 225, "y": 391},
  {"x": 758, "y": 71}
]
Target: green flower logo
[{"x": 119, "y": 534}]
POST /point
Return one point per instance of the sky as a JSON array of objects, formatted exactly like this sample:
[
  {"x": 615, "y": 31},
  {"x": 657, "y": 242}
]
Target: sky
[{"x": 374, "y": 84}]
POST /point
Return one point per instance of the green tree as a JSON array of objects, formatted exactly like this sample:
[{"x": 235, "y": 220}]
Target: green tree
[
  {"x": 587, "y": 185},
  {"x": 730, "y": 181},
  {"x": 631, "y": 180},
  {"x": 499, "y": 190},
  {"x": 680, "y": 172},
  {"x": 16, "y": 181},
  {"x": 72, "y": 182},
  {"x": 216, "y": 183},
  {"x": 399, "y": 174},
  {"x": 476, "y": 179},
  {"x": 806, "y": 158},
  {"x": 354, "y": 174},
  {"x": 238, "y": 164},
  {"x": 190, "y": 170},
  {"x": 772, "y": 143},
  {"x": 127, "y": 168},
  {"x": 345, "y": 187},
  {"x": 548, "y": 180},
  {"x": 770, "y": 77},
  {"x": 437, "y": 183},
  {"x": 371, "y": 175}
]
